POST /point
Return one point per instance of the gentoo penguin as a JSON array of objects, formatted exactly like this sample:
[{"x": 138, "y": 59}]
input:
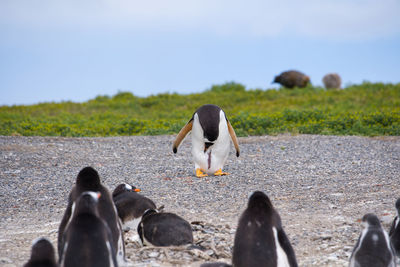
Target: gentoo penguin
[
  {"x": 42, "y": 254},
  {"x": 292, "y": 78},
  {"x": 87, "y": 237},
  {"x": 260, "y": 239},
  {"x": 130, "y": 205},
  {"x": 373, "y": 247},
  {"x": 211, "y": 132},
  {"x": 394, "y": 232},
  {"x": 88, "y": 180},
  {"x": 164, "y": 229}
]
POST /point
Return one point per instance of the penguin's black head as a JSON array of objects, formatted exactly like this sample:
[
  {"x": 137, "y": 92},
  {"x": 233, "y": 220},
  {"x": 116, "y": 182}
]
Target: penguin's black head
[
  {"x": 42, "y": 250},
  {"x": 371, "y": 220},
  {"x": 259, "y": 200},
  {"x": 209, "y": 118},
  {"x": 398, "y": 205},
  {"x": 88, "y": 178},
  {"x": 87, "y": 203},
  {"x": 121, "y": 188}
]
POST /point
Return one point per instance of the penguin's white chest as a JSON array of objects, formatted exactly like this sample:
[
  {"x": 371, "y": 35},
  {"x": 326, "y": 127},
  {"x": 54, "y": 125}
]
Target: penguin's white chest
[{"x": 212, "y": 159}]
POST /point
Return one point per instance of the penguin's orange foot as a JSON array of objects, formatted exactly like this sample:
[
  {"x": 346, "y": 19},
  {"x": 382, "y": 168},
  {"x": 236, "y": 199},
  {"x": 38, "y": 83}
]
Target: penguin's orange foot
[
  {"x": 220, "y": 173},
  {"x": 200, "y": 173}
]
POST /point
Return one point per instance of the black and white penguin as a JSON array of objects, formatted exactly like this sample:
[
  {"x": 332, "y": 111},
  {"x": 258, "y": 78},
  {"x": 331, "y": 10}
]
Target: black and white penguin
[
  {"x": 373, "y": 247},
  {"x": 164, "y": 229},
  {"x": 130, "y": 205},
  {"x": 88, "y": 180},
  {"x": 42, "y": 254},
  {"x": 394, "y": 232},
  {"x": 260, "y": 239},
  {"x": 87, "y": 237},
  {"x": 211, "y": 134}
]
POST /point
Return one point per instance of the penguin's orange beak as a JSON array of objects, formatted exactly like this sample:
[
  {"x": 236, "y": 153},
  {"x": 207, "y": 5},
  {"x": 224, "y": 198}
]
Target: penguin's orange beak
[
  {"x": 98, "y": 195},
  {"x": 137, "y": 190}
]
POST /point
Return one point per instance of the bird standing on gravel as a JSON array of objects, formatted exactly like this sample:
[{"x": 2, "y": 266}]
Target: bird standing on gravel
[
  {"x": 292, "y": 78},
  {"x": 88, "y": 180},
  {"x": 211, "y": 135},
  {"x": 42, "y": 254},
  {"x": 373, "y": 247},
  {"x": 260, "y": 239},
  {"x": 87, "y": 238}
]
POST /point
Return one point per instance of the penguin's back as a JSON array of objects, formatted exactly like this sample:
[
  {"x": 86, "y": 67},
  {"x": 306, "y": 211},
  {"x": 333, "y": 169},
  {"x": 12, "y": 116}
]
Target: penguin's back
[{"x": 165, "y": 229}]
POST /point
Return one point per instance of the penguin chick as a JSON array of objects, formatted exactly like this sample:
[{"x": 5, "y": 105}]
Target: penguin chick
[
  {"x": 332, "y": 81},
  {"x": 164, "y": 229},
  {"x": 130, "y": 205},
  {"x": 373, "y": 247},
  {"x": 211, "y": 134},
  {"x": 394, "y": 232},
  {"x": 292, "y": 78},
  {"x": 260, "y": 239},
  {"x": 88, "y": 180},
  {"x": 42, "y": 254},
  {"x": 87, "y": 237}
]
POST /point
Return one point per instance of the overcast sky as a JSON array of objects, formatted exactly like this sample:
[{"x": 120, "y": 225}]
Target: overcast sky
[{"x": 53, "y": 50}]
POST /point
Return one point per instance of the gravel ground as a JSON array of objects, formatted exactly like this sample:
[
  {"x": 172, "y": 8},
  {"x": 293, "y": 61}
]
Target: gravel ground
[{"x": 320, "y": 185}]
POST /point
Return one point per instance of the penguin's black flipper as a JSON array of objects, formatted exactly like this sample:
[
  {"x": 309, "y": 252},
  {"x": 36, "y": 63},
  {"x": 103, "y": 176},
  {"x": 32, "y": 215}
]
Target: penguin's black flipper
[{"x": 287, "y": 247}]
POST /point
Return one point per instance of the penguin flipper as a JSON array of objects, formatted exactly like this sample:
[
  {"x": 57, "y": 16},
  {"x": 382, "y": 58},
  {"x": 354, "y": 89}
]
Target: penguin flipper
[
  {"x": 393, "y": 226},
  {"x": 181, "y": 135},
  {"x": 287, "y": 247},
  {"x": 234, "y": 138}
]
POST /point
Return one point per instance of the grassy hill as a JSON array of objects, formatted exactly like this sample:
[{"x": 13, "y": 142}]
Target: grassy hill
[{"x": 365, "y": 109}]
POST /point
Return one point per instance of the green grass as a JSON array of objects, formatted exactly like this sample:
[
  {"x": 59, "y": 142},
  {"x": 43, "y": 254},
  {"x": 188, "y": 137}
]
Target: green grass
[{"x": 367, "y": 109}]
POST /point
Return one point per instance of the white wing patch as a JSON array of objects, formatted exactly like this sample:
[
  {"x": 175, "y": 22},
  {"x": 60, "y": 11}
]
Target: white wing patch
[{"x": 282, "y": 259}]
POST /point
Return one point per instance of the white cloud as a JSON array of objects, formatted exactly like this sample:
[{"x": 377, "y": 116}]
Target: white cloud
[{"x": 332, "y": 19}]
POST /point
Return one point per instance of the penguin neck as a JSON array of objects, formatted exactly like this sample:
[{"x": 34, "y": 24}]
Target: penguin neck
[{"x": 149, "y": 212}]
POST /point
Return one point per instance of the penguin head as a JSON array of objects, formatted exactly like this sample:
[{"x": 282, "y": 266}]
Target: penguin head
[
  {"x": 209, "y": 119},
  {"x": 259, "y": 200},
  {"x": 87, "y": 203},
  {"x": 398, "y": 206},
  {"x": 121, "y": 188},
  {"x": 371, "y": 219},
  {"x": 88, "y": 178},
  {"x": 42, "y": 250}
]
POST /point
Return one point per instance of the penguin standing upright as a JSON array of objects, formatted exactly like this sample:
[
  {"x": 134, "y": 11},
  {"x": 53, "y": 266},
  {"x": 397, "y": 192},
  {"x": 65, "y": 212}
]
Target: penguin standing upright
[
  {"x": 394, "y": 232},
  {"x": 373, "y": 247},
  {"x": 130, "y": 205},
  {"x": 164, "y": 229},
  {"x": 88, "y": 180},
  {"x": 87, "y": 237},
  {"x": 211, "y": 134},
  {"x": 42, "y": 254},
  {"x": 260, "y": 239}
]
